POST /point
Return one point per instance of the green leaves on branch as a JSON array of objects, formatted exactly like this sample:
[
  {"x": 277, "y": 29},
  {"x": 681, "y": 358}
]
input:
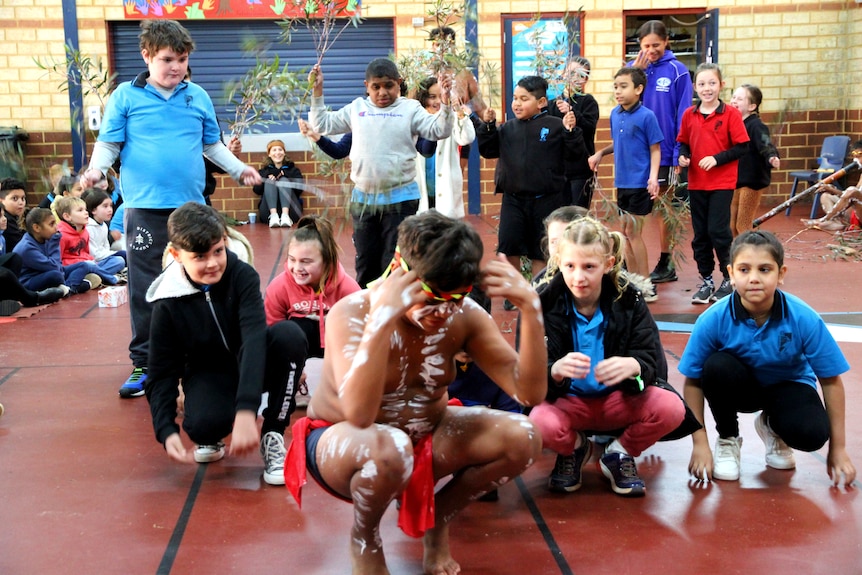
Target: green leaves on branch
[
  {"x": 82, "y": 72},
  {"x": 266, "y": 94}
]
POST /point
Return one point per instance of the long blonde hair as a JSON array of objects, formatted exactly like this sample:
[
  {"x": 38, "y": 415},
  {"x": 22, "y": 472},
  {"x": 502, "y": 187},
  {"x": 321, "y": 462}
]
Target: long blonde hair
[{"x": 587, "y": 231}]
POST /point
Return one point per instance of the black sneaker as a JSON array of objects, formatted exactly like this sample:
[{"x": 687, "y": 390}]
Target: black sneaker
[
  {"x": 566, "y": 477},
  {"x": 51, "y": 295},
  {"x": 620, "y": 468},
  {"x": 663, "y": 274},
  {"x": 8, "y": 307},
  {"x": 724, "y": 290},
  {"x": 704, "y": 292}
]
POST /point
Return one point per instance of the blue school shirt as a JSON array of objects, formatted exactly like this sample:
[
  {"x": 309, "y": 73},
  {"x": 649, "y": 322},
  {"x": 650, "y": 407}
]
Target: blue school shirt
[
  {"x": 588, "y": 336},
  {"x": 793, "y": 345},
  {"x": 633, "y": 132},
  {"x": 163, "y": 141}
]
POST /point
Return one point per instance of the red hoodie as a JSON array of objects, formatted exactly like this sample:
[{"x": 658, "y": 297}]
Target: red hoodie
[
  {"x": 74, "y": 244},
  {"x": 286, "y": 299}
]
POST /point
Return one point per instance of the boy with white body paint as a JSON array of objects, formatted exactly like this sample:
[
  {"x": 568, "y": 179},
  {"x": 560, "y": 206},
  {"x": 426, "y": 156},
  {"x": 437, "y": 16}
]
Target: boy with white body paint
[{"x": 382, "y": 401}]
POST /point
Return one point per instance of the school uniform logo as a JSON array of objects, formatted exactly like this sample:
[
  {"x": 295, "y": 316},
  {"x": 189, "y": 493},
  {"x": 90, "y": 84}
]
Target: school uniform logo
[
  {"x": 142, "y": 239},
  {"x": 662, "y": 85}
]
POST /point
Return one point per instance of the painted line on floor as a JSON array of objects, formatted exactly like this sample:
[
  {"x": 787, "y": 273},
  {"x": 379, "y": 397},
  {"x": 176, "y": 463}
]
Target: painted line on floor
[
  {"x": 182, "y": 522},
  {"x": 841, "y": 332},
  {"x": 556, "y": 553}
]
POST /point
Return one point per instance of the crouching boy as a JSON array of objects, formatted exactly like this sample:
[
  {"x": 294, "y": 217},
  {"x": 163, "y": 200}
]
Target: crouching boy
[{"x": 209, "y": 330}]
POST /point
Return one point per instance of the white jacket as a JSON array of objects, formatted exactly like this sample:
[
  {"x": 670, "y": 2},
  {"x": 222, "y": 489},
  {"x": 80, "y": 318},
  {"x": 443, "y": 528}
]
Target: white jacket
[{"x": 449, "y": 183}]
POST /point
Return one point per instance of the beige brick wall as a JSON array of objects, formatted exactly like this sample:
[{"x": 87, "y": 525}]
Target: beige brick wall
[{"x": 804, "y": 55}]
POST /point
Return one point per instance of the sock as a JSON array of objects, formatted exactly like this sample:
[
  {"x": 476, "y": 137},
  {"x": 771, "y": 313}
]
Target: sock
[
  {"x": 663, "y": 260},
  {"x": 616, "y": 447}
]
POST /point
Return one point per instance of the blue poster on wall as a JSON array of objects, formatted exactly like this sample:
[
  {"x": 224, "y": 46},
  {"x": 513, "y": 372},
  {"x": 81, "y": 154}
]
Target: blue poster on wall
[{"x": 539, "y": 47}]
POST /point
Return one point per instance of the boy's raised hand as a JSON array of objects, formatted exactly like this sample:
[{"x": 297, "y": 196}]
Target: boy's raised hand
[
  {"x": 490, "y": 116},
  {"x": 315, "y": 78},
  {"x": 445, "y": 81},
  {"x": 500, "y": 279},
  {"x": 306, "y": 131},
  {"x": 393, "y": 296},
  {"x": 569, "y": 120}
]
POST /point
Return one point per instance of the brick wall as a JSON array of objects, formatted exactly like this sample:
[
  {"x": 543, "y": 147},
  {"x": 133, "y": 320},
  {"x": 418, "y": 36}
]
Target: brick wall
[{"x": 805, "y": 56}]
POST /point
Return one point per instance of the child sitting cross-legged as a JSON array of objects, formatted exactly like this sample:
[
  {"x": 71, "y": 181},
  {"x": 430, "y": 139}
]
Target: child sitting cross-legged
[
  {"x": 39, "y": 249},
  {"x": 75, "y": 247},
  {"x": 100, "y": 207}
]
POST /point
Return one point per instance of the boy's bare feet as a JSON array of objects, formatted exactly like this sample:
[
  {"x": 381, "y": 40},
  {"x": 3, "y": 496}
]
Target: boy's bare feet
[
  {"x": 825, "y": 225},
  {"x": 438, "y": 560}
]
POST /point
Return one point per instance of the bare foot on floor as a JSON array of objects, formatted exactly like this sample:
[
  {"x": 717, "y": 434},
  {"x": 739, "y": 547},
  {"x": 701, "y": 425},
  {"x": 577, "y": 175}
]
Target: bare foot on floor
[
  {"x": 825, "y": 225},
  {"x": 438, "y": 560}
]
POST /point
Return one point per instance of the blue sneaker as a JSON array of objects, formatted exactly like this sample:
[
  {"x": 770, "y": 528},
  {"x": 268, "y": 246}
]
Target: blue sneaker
[
  {"x": 134, "y": 386},
  {"x": 566, "y": 477},
  {"x": 623, "y": 473}
]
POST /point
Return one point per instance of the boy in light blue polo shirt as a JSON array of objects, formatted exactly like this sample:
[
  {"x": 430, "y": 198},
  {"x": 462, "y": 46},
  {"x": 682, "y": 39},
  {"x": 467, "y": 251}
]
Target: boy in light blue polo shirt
[
  {"x": 159, "y": 125},
  {"x": 636, "y": 148}
]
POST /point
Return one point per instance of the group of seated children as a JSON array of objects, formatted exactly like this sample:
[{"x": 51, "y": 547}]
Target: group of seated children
[{"x": 47, "y": 253}]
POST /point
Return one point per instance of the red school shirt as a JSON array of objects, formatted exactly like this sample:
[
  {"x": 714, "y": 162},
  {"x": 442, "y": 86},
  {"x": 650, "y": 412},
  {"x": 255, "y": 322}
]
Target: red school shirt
[{"x": 707, "y": 136}]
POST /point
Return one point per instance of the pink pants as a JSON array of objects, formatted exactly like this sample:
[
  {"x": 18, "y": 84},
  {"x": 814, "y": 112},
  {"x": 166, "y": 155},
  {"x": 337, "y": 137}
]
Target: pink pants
[{"x": 644, "y": 418}]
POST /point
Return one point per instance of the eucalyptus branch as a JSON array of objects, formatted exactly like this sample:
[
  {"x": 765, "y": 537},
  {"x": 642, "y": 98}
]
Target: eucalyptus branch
[
  {"x": 320, "y": 18},
  {"x": 490, "y": 75},
  {"x": 264, "y": 95}
]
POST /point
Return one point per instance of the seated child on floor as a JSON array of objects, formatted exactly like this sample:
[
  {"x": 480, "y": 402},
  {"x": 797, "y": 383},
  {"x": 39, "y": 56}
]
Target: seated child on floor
[
  {"x": 12, "y": 293},
  {"x": 299, "y": 298},
  {"x": 100, "y": 207},
  {"x": 67, "y": 186},
  {"x": 14, "y": 200},
  {"x": 75, "y": 244},
  {"x": 41, "y": 267},
  {"x": 209, "y": 330}
]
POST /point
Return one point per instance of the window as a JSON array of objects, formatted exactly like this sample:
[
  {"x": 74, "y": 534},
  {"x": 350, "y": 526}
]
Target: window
[{"x": 693, "y": 34}]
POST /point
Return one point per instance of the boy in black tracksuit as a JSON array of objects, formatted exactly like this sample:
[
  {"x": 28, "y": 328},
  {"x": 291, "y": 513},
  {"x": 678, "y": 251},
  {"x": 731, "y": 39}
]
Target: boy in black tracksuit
[
  {"x": 533, "y": 150},
  {"x": 209, "y": 330}
]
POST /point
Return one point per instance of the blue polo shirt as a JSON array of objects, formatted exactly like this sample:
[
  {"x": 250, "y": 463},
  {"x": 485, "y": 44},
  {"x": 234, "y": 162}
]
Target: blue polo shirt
[
  {"x": 588, "y": 335},
  {"x": 162, "y": 164},
  {"x": 633, "y": 132},
  {"x": 793, "y": 345}
]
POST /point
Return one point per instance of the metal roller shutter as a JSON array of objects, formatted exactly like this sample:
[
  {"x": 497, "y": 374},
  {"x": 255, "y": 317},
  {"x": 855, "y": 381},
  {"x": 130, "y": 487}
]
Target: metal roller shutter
[{"x": 218, "y": 57}]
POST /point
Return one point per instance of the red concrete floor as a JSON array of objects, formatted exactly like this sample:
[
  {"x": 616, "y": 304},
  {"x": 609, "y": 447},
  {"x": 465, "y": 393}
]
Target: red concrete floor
[{"x": 84, "y": 487}]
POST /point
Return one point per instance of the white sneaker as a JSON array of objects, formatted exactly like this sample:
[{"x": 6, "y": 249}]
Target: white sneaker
[
  {"x": 273, "y": 452},
  {"x": 274, "y": 222},
  {"x": 209, "y": 453},
  {"x": 285, "y": 221},
  {"x": 725, "y": 463},
  {"x": 778, "y": 454}
]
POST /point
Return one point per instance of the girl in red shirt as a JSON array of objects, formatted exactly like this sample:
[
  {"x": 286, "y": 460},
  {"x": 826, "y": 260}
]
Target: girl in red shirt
[{"x": 712, "y": 138}]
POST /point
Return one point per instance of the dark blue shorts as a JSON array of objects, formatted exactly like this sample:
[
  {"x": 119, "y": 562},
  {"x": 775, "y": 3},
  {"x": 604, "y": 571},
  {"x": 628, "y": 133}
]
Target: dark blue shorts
[
  {"x": 311, "y": 461},
  {"x": 634, "y": 201}
]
